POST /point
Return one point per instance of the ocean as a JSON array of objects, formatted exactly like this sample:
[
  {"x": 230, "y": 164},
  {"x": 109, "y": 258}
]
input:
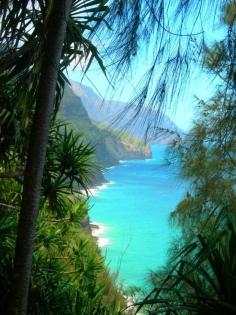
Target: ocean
[{"x": 133, "y": 213}]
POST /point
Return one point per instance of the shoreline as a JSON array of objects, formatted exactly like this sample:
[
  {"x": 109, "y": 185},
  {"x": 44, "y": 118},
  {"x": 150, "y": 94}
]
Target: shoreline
[
  {"x": 98, "y": 230},
  {"x": 92, "y": 191}
]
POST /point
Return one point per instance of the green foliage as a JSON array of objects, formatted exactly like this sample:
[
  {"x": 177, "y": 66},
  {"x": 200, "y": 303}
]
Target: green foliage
[
  {"x": 207, "y": 158},
  {"x": 69, "y": 167},
  {"x": 201, "y": 271},
  {"x": 69, "y": 274},
  {"x": 200, "y": 278},
  {"x": 23, "y": 32}
]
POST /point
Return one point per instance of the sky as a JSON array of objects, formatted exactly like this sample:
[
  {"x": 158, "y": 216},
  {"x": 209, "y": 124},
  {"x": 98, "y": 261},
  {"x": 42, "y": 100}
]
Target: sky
[
  {"x": 184, "y": 111},
  {"x": 182, "y": 114}
]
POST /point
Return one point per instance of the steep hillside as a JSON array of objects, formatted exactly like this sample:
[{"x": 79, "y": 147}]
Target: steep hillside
[
  {"x": 111, "y": 112},
  {"x": 110, "y": 147}
]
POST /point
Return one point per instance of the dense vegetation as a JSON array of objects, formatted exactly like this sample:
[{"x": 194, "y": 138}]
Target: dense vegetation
[
  {"x": 68, "y": 272},
  {"x": 44, "y": 166},
  {"x": 49, "y": 263}
]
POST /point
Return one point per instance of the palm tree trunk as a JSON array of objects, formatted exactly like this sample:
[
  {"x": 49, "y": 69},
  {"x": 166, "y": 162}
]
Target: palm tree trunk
[{"x": 54, "y": 37}]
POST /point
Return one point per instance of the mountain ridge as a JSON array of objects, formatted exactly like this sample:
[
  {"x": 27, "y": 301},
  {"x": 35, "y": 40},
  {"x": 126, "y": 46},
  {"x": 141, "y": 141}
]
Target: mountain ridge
[
  {"x": 110, "y": 147},
  {"x": 113, "y": 113}
]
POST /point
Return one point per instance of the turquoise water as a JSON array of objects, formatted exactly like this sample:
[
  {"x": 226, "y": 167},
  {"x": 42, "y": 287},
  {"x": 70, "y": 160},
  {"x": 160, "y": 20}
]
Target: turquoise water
[{"x": 135, "y": 208}]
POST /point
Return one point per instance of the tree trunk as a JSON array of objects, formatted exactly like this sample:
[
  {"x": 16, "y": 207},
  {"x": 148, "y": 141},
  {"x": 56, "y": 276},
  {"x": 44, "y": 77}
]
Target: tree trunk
[{"x": 54, "y": 37}]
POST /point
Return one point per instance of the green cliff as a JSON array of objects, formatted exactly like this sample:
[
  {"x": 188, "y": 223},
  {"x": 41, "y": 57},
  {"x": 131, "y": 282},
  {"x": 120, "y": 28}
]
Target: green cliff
[{"x": 111, "y": 146}]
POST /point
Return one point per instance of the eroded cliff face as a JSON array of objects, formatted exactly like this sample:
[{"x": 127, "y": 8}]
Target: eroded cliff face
[{"x": 110, "y": 145}]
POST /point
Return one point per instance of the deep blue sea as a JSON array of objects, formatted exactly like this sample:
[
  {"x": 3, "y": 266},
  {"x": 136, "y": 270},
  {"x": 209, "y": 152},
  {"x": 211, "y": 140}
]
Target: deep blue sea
[{"x": 134, "y": 209}]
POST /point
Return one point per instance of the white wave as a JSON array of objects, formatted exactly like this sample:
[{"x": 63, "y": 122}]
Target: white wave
[
  {"x": 110, "y": 168},
  {"x": 103, "y": 242},
  {"x": 98, "y": 231},
  {"x": 93, "y": 191},
  {"x": 122, "y": 161}
]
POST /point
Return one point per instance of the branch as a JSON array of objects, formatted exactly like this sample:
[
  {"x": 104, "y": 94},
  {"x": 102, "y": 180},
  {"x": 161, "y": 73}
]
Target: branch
[
  {"x": 9, "y": 206},
  {"x": 10, "y": 58}
]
